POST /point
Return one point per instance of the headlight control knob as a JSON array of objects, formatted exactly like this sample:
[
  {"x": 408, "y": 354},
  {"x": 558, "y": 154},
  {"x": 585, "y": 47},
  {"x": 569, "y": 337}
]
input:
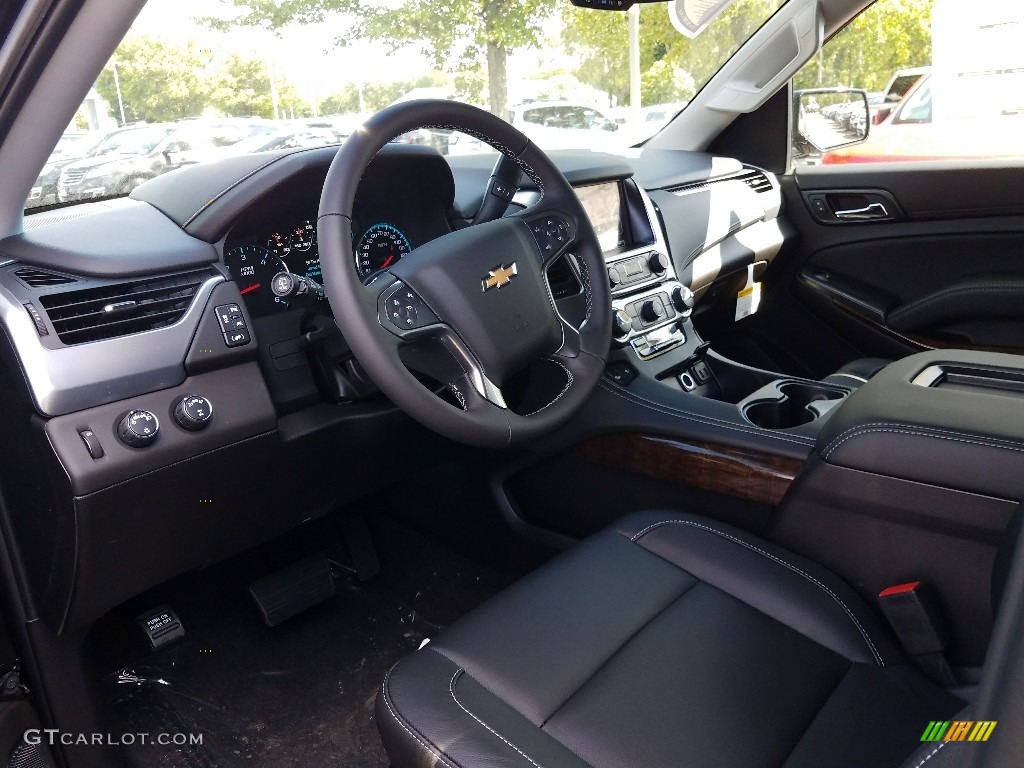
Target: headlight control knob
[
  {"x": 138, "y": 429},
  {"x": 193, "y": 412}
]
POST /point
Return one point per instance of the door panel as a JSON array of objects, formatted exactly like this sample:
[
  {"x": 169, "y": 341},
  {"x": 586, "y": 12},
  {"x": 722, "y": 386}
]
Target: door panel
[{"x": 947, "y": 270}]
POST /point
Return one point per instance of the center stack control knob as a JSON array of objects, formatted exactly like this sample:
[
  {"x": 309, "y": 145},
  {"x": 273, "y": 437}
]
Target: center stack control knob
[
  {"x": 623, "y": 324},
  {"x": 658, "y": 262},
  {"x": 682, "y": 299},
  {"x": 138, "y": 429},
  {"x": 652, "y": 311}
]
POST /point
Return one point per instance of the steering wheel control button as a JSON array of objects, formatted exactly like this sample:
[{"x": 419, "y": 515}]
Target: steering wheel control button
[
  {"x": 92, "y": 443},
  {"x": 500, "y": 189},
  {"x": 404, "y": 310},
  {"x": 552, "y": 234},
  {"x": 138, "y": 429},
  {"x": 193, "y": 412}
]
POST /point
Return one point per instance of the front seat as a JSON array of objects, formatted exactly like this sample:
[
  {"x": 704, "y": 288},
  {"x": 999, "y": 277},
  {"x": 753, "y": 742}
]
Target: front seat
[{"x": 665, "y": 640}]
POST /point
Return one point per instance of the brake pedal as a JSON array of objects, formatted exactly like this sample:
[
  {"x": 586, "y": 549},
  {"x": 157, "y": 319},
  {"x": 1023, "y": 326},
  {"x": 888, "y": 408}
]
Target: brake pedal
[{"x": 293, "y": 590}]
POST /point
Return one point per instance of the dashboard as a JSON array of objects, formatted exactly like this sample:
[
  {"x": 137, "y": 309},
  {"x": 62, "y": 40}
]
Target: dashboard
[{"x": 106, "y": 334}]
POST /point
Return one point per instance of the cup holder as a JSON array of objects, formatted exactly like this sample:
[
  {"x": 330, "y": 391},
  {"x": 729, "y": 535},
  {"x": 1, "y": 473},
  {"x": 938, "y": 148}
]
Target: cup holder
[{"x": 786, "y": 404}]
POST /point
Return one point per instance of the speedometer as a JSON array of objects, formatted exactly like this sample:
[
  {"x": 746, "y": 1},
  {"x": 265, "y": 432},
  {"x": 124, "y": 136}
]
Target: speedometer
[
  {"x": 252, "y": 267},
  {"x": 379, "y": 248}
]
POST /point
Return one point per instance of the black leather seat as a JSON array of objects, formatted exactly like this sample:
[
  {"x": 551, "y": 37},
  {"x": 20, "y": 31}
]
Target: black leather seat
[{"x": 666, "y": 640}]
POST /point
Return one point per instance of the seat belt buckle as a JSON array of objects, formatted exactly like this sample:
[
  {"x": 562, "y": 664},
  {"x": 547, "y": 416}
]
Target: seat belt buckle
[{"x": 915, "y": 618}]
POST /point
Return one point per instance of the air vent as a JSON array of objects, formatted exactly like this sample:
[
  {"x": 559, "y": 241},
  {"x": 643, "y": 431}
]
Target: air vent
[
  {"x": 756, "y": 179},
  {"x": 38, "y": 278},
  {"x": 562, "y": 280},
  {"x": 93, "y": 314}
]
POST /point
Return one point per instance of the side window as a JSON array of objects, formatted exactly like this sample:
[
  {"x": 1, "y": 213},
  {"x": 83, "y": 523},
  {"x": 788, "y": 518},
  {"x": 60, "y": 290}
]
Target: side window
[{"x": 944, "y": 80}]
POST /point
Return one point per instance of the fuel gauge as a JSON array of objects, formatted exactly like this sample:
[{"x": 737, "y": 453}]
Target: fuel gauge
[{"x": 303, "y": 237}]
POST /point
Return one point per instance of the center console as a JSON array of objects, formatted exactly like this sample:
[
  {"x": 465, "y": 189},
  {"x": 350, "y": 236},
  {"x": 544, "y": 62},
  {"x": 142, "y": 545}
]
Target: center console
[{"x": 656, "y": 350}]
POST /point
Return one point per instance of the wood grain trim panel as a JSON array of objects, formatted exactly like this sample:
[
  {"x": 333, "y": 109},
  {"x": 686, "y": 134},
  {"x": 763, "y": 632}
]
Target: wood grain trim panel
[{"x": 744, "y": 474}]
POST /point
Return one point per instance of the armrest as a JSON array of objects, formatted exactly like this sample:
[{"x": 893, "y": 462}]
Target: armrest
[{"x": 962, "y": 437}]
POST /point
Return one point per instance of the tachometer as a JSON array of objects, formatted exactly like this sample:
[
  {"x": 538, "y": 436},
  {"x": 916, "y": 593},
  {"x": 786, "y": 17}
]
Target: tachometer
[
  {"x": 303, "y": 237},
  {"x": 253, "y": 267},
  {"x": 379, "y": 248}
]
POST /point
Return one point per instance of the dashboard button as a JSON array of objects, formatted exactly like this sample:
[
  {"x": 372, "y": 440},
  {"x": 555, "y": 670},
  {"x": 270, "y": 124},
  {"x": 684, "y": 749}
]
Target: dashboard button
[
  {"x": 193, "y": 412},
  {"x": 92, "y": 443},
  {"x": 237, "y": 338},
  {"x": 138, "y": 429}
]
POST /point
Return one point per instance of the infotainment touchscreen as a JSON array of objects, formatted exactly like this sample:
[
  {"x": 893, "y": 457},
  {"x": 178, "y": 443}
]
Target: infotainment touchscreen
[{"x": 603, "y": 205}]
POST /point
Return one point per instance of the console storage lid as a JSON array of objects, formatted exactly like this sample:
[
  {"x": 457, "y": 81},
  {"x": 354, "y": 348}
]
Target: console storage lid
[{"x": 949, "y": 418}]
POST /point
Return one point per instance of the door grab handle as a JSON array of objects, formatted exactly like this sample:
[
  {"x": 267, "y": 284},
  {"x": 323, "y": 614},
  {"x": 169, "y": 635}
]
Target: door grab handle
[{"x": 872, "y": 211}]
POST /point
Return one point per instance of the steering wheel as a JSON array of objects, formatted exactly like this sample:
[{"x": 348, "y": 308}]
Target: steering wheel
[{"x": 472, "y": 308}]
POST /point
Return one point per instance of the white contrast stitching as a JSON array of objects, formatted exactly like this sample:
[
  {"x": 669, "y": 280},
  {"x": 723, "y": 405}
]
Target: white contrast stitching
[
  {"x": 778, "y": 560},
  {"x": 451, "y": 687},
  {"x": 568, "y": 383},
  {"x": 227, "y": 189},
  {"x": 709, "y": 420},
  {"x": 933, "y": 432},
  {"x": 429, "y": 747},
  {"x": 931, "y": 754}
]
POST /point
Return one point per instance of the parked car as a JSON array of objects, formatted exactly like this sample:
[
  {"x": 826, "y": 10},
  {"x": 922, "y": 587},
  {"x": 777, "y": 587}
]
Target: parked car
[
  {"x": 71, "y": 147},
  {"x": 563, "y": 124},
  {"x": 294, "y": 137},
  {"x": 134, "y": 156},
  {"x": 911, "y": 133}
]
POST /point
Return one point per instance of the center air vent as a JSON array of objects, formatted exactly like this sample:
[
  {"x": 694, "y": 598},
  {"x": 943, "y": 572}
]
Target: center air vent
[
  {"x": 562, "y": 280},
  {"x": 756, "y": 179},
  {"x": 116, "y": 310},
  {"x": 38, "y": 278}
]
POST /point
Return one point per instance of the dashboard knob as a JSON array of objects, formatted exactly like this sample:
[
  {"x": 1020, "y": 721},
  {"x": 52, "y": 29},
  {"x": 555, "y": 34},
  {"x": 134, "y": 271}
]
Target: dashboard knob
[
  {"x": 193, "y": 412},
  {"x": 658, "y": 262},
  {"x": 623, "y": 324},
  {"x": 652, "y": 311},
  {"x": 138, "y": 429},
  {"x": 614, "y": 277},
  {"x": 682, "y": 299}
]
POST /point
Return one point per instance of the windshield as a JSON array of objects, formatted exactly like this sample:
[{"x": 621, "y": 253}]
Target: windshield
[{"x": 259, "y": 75}]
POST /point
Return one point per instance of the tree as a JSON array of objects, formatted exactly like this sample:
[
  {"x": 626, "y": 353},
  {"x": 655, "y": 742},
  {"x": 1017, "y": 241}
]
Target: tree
[
  {"x": 600, "y": 39},
  {"x": 159, "y": 81},
  {"x": 456, "y": 41},
  {"x": 888, "y": 36}
]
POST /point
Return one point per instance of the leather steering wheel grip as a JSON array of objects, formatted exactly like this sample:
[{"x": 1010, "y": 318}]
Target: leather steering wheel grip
[{"x": 483, "y": 421}]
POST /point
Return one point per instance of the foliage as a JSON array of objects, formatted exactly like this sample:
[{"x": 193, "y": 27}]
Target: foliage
[
  {"x": 890, "y": 35},
  {"x": 457, "y": 41},
  {"x": 161, "y": 82},
  {"x": 375, "y": 95}
]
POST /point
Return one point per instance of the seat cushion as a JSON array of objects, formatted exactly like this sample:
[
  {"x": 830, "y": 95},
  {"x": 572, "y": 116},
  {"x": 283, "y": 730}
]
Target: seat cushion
[{"x": 666, "y": 640}]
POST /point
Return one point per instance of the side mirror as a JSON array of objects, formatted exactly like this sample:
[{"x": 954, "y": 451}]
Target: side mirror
[
  {"x": 829, "y": 118},
  {"x": 610, "y": 125}
]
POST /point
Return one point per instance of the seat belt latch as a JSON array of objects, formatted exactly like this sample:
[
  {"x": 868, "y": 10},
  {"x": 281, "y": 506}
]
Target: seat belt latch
[{"x": 915, "y": 618}]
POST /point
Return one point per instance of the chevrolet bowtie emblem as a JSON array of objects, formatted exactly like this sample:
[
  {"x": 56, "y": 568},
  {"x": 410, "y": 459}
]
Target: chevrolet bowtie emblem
[{"x": 500, "y": 276}]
